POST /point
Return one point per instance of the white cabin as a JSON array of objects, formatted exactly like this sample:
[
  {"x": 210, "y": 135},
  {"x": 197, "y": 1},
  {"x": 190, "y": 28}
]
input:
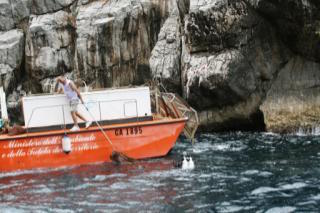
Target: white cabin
[{"x": 104, "y": 105}]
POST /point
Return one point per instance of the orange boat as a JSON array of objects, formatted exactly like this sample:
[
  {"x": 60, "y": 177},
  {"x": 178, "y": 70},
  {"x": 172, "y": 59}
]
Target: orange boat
[{"x": 136, "y": 138}]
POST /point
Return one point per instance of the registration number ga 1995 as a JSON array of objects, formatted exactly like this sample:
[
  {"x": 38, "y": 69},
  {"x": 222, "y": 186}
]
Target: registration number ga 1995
[{"x": 137, "y": 130}]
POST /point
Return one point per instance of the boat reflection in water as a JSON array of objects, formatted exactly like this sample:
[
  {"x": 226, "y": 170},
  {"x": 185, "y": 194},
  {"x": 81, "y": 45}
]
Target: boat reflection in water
[{"x": 85, "y": 187}]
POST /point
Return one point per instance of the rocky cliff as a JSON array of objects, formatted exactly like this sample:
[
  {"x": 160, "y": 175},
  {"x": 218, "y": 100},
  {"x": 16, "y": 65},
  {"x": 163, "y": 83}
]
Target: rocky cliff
[{"x": 243, "y": 64}]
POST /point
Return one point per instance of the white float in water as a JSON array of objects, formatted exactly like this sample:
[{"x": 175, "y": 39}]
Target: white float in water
[
  {"x": 187, "y": 162},
  {"x": 191, "y": 163},
  {"x": 184, "y": 161},
  {"x": 66, "y": 144}
]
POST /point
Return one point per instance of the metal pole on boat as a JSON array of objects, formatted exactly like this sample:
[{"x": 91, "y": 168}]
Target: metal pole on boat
[
  {"x": 66, "y": 141},
  {"x": 115, "y": 155},
  {"x": 99, "y": 126},
  {"x": 64, "y": 120}
]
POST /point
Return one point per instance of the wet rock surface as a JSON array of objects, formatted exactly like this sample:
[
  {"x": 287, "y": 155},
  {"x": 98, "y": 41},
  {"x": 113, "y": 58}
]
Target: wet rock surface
[
  {"x": 166, "y": 55},
  {"x": 11, "y": 57},
  {"x": 293, "y": 100},
  {"x": 239, "y": 63},
  {"x": 230, "y": 58},
  {"x": 49, "y": 45},
  {"x": 114, "y": 41},
  {"x": 6, "y": 19}
]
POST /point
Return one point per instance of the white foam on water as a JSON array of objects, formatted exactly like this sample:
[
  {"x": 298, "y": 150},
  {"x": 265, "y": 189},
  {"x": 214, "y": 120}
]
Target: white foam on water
[
  {"x": 307, "y": 203},
  {"x": 106, "y": 206},
  {"x": 109, "y": 210},
  {"x": 179, "y": 173},
  {"x": 37, "y": 171},
  {"x": 183, "y": 195},
  {"x": 205, "y": 175},
  {"x": 202, "y": 206},
  {"x": 148, "y": 182},
  {"x": 205, "y": 146},
  {"x": 100, "y": 178},
  {"x": 221, "y": 147},
  {"x": 315, "y": 131},
  {"x": 263, "y": 190},
  {"x": 119, "y": 185},
  {"x": 232, "y": 209},
  {"x": 117, "y": 175},
  {"x": 202, "y": 147},
  {"x": 7, "y": 209},
  {"x": 104, "y": 177},
  {"x": 298, "y": 185},
  {"x": 10, "y": 174},
  {"x": 316, "y": 197},
  {"x": 270, "y": 134},
  {"x": 42, "y": 189},
  {"x": 265, "y": 174},
  {"x": 7, "y": 186},
  {"x": 63, "y": 210},
  {"x": 227, "y": 207},
  {"x": 199, "y": 150},
  {"x": 83, "y": 186},
  {"x": 186, "y": 179},
  {"x": 286, "y": 209},
  {"x": 8, "y": 197},
  {"x": 250, "y": 172},
  {"x": 243, "y": 180},
  {"x": 257, "y": 173}
]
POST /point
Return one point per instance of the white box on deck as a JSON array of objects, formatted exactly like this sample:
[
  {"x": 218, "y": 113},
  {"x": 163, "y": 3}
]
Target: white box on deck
[{"x": 111, "y": 104}]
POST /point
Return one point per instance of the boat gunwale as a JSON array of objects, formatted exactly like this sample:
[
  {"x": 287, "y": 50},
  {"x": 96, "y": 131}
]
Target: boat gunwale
[{"x": 92, "y": 129}]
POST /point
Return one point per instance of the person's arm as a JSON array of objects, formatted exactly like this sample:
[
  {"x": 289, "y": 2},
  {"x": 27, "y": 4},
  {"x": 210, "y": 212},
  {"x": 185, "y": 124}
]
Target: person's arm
[
  {"x": 60, "y": 90},
  {"x": 74, "y": 88}
]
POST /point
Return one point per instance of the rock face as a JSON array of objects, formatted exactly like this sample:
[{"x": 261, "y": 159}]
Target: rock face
[
  {"x": 6, "y": 19},
  {"x": 49, "y": 45},
  {"x": 48, "y": 6},
  {"x": 114, "y": 41},
  {"x": 20, "y": 9},
  {"x": 297, "y": 22},
  {"x": 243, "y": 64},
  {"x": 230, "y": 58},
  {"x": 11, "y": 57},
  {"x": 166, "y": 55},
  {"x": 293, "y": 101}
]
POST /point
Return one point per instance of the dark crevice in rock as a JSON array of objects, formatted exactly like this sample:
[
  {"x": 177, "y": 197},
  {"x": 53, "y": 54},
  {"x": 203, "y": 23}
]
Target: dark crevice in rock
[{"x": 253, "y": 123}]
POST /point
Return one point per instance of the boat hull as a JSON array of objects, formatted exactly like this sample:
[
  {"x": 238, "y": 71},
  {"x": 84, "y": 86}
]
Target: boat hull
[{"x": 44, "y": 150}]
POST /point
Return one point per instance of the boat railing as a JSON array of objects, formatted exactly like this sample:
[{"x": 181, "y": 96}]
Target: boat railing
[
  {"x": 62, "y": 110},
  {"x": 125, "y": 102},
  {"x": 44, "y": 107}
]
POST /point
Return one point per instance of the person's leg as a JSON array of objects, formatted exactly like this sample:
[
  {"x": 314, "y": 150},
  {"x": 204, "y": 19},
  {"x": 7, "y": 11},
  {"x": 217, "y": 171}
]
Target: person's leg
[
  {"x": 73, "y": 109},
  {"x": 75, "y": 114},
  {"x": 80, "y": 116},
  {"x": 74, "y": 118},
  {"x": 88, "y": 123}
]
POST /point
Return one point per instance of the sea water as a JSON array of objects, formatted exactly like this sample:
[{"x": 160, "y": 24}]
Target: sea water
[{"x": 234, "y": 172}]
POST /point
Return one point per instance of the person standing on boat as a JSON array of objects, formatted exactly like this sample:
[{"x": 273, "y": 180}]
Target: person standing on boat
[{"x": 74, "y": 97}]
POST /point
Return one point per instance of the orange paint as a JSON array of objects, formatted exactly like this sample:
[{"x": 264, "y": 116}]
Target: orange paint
[{"x": 138, "y": 140}]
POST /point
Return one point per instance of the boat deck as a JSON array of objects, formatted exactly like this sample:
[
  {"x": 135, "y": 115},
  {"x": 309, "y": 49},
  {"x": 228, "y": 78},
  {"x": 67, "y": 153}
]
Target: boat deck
[{"x": 94, "y": 127}]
